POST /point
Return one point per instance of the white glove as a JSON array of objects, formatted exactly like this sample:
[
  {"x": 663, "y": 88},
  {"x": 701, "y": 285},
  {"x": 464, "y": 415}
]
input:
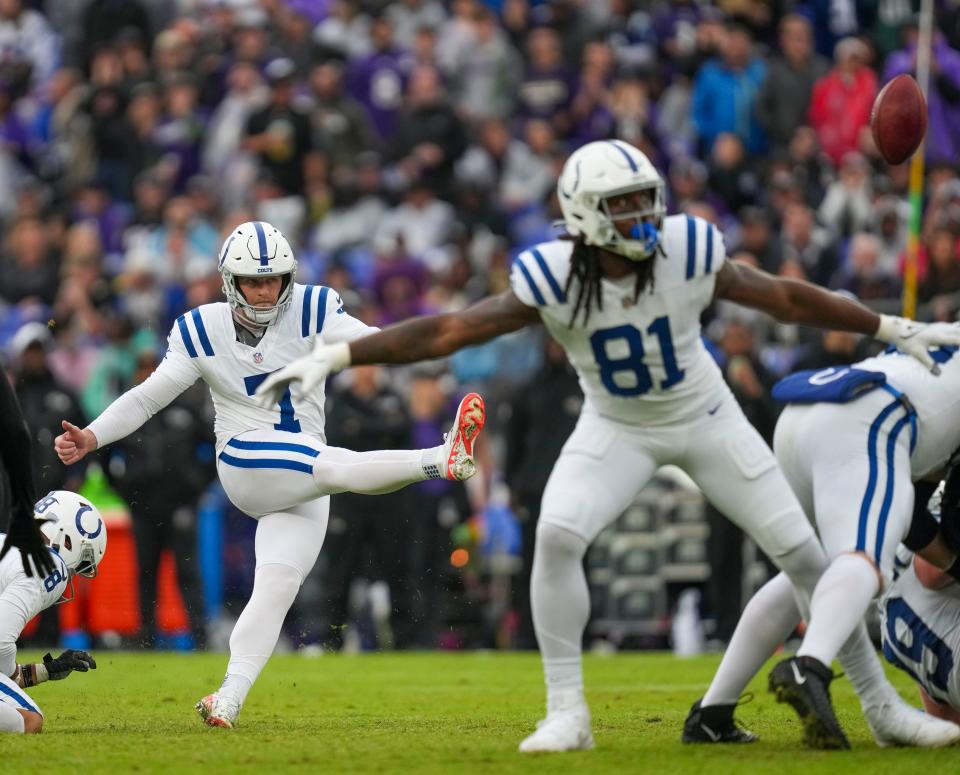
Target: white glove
[
  {"x": 916, "y": 339},
  {"x": 310, "y": 371}
]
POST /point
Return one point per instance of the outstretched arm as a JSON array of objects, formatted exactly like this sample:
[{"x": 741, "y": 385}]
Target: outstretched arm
[
  {"x": 434, "y": 336},
  {"x": 175, "y": 374},
  {"x": 417, "y": 339},
  {"x": 795, "y": 301}
]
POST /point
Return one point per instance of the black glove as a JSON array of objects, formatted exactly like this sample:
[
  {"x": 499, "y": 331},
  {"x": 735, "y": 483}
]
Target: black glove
[
  {"x": 25, "y": 535},
  {"x": 67, "y": 662}
]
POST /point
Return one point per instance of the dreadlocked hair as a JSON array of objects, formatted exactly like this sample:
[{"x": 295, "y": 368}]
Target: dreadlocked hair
[{"x": 585, "y": 271}]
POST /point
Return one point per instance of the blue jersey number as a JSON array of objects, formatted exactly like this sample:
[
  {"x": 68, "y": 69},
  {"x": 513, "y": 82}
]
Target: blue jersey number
[
  {"x": 922, "y": 639},
  {"x": 287, "y": 421},
  {"x": 46, "y": 503},
  {"x": 633, "y": 360},
  {"x": 50, "y": 582}
]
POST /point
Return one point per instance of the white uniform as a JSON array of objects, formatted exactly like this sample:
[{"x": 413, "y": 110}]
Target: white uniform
[
  {"x": 268, "y": 459},
  {"x": 21, "y": 598},
  {"x": 852, "y": 464},
  {"x": 653, "y": 394},
  {"x": 920, "y": 629}
]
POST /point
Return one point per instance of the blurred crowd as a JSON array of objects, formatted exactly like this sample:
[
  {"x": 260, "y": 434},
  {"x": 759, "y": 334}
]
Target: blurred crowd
[{"x": 409, "y": 149}]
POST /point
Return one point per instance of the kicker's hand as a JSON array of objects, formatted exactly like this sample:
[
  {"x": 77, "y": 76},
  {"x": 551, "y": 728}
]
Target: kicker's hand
[
  {"x": 916, "y": 339},
  {"x": 24, "y": 534},
  {"x": 74, "y": 443},
  {"x": 310, "y": 371},
  {"x": 67, "y": 662}
]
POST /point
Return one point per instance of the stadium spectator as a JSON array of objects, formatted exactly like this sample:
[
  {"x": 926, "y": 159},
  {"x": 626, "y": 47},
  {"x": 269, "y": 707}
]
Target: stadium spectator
[
  {"x": 725, "y": 92},
  {"x": 862, "y": 275},
  {"x": 341, "y": 128},
  {"x": 378, "y": 80},
  {"x": 943, "y": 264},
  {"x": 280, "y": 134},
  {"x": 366, "y": 414},
  {"x": 547, "y": 87},
  {"x": 428, "y": 136},
  {"x": 175, "y": 445},
  {"x": 785, "y": 96},
  {"x": 29, "y": 271},
  {"x": 807, "y": 247},
  {"x": 841, "y": 100},
  {"x": 486, "y": 72},
  {"x": 847, "y": 207},
  {"x": 43, "y": 398},
  {"x": 942, "y": 141}
]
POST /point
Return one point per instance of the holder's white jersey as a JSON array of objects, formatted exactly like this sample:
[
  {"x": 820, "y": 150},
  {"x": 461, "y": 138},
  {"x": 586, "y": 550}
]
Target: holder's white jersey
[
  {"x": 21, "y": 598},
  {"x": 935, "y": 398},
  {"x": 203, "y": 345},
  {"x": 920, "y": 629},
  {"x": 642, "y": 362}
]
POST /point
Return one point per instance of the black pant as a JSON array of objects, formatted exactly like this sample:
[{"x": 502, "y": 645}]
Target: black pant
[
  {"x": 173, "y": 528},
  {"x": 368, "y": 537}
]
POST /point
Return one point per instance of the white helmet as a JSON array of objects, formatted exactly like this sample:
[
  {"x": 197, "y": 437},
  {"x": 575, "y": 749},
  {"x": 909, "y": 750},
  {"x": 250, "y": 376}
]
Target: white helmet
[
  {"x": 75, "y": 529},
  {"x": 257, "y": 249},
  {"x": 592, "y": 175}
]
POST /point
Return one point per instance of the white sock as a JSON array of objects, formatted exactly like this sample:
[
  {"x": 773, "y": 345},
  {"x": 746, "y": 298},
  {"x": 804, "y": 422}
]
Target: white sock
[
  {"x": 11, "y": 719},
  {"x": 560, "y": 601},
  {"x": 257, "y": 630},
  {"x": 839, "y": 603},
  {"x": 768, "y": 619},
  {"x": 374, "y": 473},
  {"x": 859, "y": 661}
]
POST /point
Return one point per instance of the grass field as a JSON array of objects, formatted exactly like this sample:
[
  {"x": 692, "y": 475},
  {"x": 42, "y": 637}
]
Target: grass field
[{"x": 415, "y": 713}]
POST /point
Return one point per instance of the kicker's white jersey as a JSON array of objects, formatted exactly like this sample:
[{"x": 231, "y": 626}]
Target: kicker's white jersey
[
  {"x": 935, "y": 398},
  {"x": 21, "y": 598},
  {"x": 920, "y": 629},
  {"x": 642, "y": 362},
  {"x": 203, "y": 344}
]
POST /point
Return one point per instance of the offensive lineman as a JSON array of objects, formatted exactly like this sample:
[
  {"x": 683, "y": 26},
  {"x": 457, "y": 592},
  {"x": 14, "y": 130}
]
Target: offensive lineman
[
  {"x": 273, "y": 461},
  {"x": 77, "y": 540},
  {"x": 851, "y": 443},
  {"x": 624, "y": 298}
]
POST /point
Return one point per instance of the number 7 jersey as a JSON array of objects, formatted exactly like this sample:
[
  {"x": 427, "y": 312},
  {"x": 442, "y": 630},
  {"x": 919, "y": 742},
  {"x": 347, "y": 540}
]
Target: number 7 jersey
[
  {"x": 639, "y": 362},
  {"x": 203, "y": 344}
]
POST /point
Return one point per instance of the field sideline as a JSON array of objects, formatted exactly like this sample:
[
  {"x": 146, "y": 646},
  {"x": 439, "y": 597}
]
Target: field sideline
[{"x": 414, "y": 713}]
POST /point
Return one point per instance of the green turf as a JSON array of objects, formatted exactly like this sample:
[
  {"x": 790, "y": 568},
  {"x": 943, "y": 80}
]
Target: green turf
[{"x": 415, "y": 713}]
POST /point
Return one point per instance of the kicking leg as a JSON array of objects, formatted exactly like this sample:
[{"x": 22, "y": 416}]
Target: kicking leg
[
  {"x": 287, "y": 545},
  {"x": 303, "y": 469}
]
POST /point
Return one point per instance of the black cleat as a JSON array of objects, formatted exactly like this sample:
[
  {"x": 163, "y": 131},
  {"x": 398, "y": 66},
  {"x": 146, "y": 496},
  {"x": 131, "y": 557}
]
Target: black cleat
[
  {"x": 804, "y": 683},
  {"x": 714, "y": 724}
]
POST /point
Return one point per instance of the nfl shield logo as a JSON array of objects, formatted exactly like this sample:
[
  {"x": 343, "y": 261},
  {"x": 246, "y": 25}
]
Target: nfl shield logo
[{"x": 258, "y": 357}]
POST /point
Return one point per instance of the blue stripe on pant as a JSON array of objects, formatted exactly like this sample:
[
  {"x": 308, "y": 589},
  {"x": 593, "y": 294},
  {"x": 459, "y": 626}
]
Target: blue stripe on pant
[
  {"x": 284, "y": 446},
  {"x": 19, "y": 698},
  {"x": 292, "y": 465},
  {"x": 874, "y": 463}
]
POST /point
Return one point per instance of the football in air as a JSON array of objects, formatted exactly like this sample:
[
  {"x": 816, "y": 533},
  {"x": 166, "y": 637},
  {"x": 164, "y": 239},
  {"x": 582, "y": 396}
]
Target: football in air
[{"x": 899, "y": 119}]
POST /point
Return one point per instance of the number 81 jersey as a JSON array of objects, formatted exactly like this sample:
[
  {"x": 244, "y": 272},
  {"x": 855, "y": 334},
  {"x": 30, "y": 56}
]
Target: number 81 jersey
[{"x": 641, "y": 362}]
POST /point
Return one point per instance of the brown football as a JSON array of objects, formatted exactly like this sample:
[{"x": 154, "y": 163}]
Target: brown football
[{"x": 899, "y": 119}]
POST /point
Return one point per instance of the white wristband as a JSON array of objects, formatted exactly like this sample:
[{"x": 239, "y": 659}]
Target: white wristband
[
  {"x": 887, "y": 331},
  {"x": 339, "y": 355}
]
